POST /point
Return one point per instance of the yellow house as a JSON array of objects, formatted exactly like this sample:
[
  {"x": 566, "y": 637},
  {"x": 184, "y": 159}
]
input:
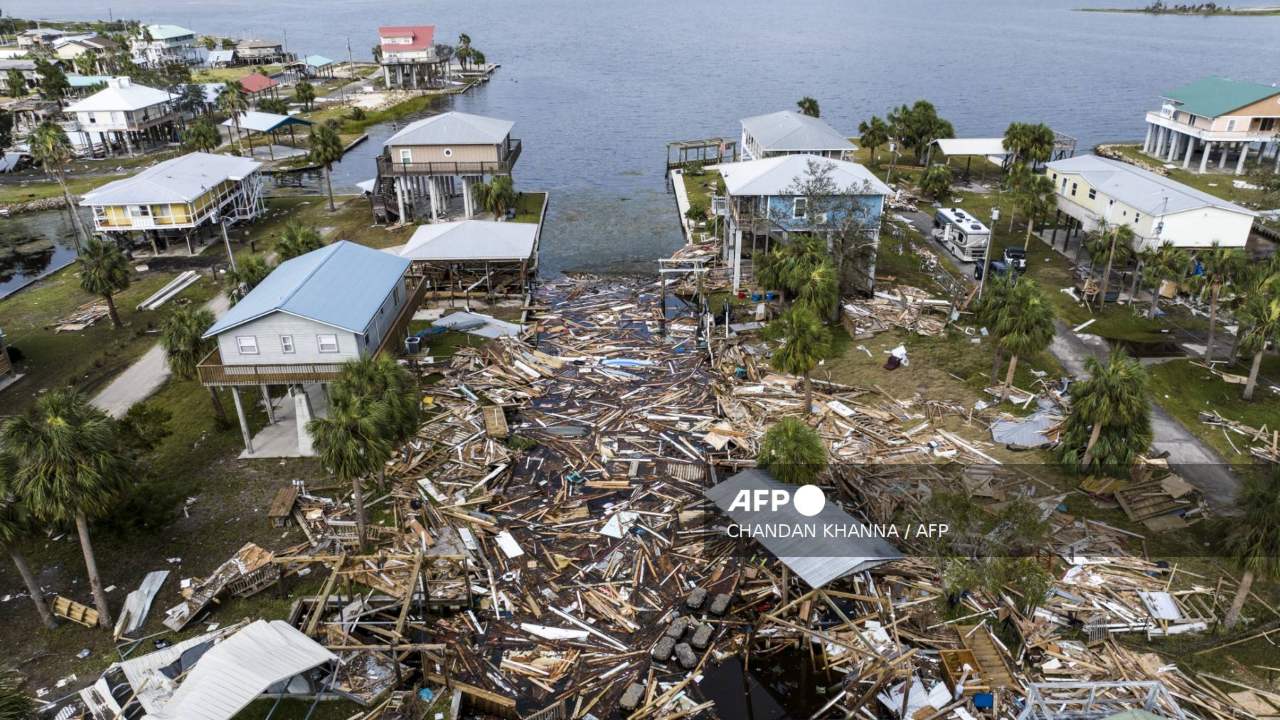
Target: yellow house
[
  {"x": 1097, "y": 191},
  {"x": 179, "y": 197}
]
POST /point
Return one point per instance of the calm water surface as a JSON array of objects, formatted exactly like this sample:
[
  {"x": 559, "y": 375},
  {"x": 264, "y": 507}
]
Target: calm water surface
[{"x": 598, "y": 88}]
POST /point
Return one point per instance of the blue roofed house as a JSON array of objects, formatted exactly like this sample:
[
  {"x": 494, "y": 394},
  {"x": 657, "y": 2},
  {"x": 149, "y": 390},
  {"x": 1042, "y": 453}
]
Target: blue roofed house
[
  {"x": 312, "y": 314},
  {"x": 767, "y": 200}
]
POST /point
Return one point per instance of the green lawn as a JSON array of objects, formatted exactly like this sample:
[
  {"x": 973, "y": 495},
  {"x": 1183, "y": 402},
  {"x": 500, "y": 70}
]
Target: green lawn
[
  {"x": 212, "y": 75},
  {"x": 529, "y": 207},
  {"x": 702, "y": 186},
  {"x": 1184, "y": 389}
]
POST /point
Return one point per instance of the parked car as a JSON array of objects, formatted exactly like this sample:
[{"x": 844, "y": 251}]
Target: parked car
[{"x": 1016, "y": 258}]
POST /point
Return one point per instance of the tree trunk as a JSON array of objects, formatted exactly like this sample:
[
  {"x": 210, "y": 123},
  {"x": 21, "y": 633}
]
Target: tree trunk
[
  {"x": 76, "y": 226},
  {"x": 91, "y": 565},
  {"x": 1234, "y": 353},
  {"x": 1213, "y": 320},
  {"x": 1008, "y": 378},
  {"x": 111, "y": 310},
  {"x": 1094, "y": 434},
  {"x": 1155, "y": 301},
  {"x": 995, "y": 364},
  {"x": 33, "y": 588},
  {"x": 1133, "y": 286},
  {"x": 808, "y": 394},
  {"x": 1237, "y": 604},
  {"x": 328, "y": 181},
  {"x": 218, "y": 411},
  {"x": 1253, "y": 375},
  {"x": 1106, "y": 275},
  {"x": 1026, "y": 243},
  {"x": 357, "y": 492}
]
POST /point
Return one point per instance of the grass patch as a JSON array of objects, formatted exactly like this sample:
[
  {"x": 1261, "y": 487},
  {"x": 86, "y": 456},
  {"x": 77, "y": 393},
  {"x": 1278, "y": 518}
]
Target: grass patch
[
  {"x": 1218, "y": 184},
  {"x": 413, "y": 106},
  {"x": 702, "y": 186},
  {"x": 1185, "y": 389},
  {"x": 529, "y": 207},
  {"x": 212, "y": 75}
]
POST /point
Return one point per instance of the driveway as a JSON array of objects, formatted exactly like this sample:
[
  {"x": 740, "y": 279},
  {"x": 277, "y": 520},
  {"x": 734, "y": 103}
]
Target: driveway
[
  {"x": 1198, "y": 463},
  {"x": 145, "y": 376}
]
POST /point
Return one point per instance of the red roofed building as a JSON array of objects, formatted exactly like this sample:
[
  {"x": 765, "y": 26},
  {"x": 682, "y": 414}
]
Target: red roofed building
[
  {"x": 257, "y": 86},
  {"x": 409, "y": 57}
]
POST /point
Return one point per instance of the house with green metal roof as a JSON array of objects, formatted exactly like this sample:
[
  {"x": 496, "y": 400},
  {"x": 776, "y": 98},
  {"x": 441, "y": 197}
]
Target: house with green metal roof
[{"x": 1216, "y": 124}]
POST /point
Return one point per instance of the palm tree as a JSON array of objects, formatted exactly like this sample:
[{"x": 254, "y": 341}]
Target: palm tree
[
  {"x": 182, "y": 337},
  {"x": 71, "y": 468},
  {"x": 104, "y": 271},
  {"x": 874, "y": 133},
  {"x": 808, "y": 106},
  {"x": 202, "y": 135},
  {"x": 351, "y": 444},
  {"x": 231, "y": 100},
  {"x": 820, "y": 293},
  {"x": 305, "y": 93},
  {"x": 1260, "y": 325},
  {"x": 297, "y": 239},
  {"x": 805, "y": 342},
  {"x": 1110, "y": 420},
  {"x": 14, "y": 704},
  {"x": 1035, "y": 198},
  {"x": 86, "y": 63},
  {"x": 1168, "y": 263},
  {"x": 1028, "y": 143},
  {"x": 498, "y": 196},
  {"x": 1026, "y": 328},
  {"x": 936, "y": 182},
  {"x": 989, "y": 311},
  {"x": 1254, "y": 540},
  {"x": 14, "y": 526},
  {"x": 15, "y": 84},
  {"x": 51, "y": 148},
  {"x": 1121, "y": 244},
  {"x": 326, "y": 149},
  {"x": 792, "y": 452},
  {"x": 1220, "y": 268},
  {"x": 245, "y": 277}
]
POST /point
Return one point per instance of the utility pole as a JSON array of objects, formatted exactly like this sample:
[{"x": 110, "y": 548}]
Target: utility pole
[
  {"x": 986, "y": 252},
  {"x": 222, "y": 223}
]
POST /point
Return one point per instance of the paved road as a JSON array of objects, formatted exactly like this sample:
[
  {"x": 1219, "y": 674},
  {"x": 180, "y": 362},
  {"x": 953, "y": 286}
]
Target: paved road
[
  {"x": 1195, "y": 461},
  {"x": 146, "y": 375}
]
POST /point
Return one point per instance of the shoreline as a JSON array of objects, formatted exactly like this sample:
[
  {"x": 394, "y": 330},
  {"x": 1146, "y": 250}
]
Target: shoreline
[{"x": 1268, "y": 11}]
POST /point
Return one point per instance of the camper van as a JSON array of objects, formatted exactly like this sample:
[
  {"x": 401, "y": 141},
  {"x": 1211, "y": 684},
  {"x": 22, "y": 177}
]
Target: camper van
[{"x": 961, "y": 233}]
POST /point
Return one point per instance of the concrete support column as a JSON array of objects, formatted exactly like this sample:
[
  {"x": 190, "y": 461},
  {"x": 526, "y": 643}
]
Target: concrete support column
[
  {"x": 244, "y": 423},
  {"x": 737, "y": 260},
  {"x": 1277, "y": 152},
  {"x": 266, "y": 402},
  {"x": 1244, "y": 153},
  {"x": 1173, "y": 146},
  {"x": 1162, "y": 141},
  {"x": 400, "y": 197},
  {"x": 1222, "y": 161},
  {"x": 466, "y": 197},
  {"x": 431, "y": 188},
  {"x": 1191, "y": 147},
  {"x": 1204, "y": 156},
  {"x": 1146, "y": 143},
  {"x": 303, "y": 414}
]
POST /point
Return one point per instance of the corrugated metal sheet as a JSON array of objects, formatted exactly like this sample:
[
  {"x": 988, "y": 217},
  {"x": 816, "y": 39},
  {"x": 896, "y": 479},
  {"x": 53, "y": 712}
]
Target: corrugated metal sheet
[
  {"x": 779, "y": 175},
  {"x": 1153, "y": 194},
  {"x": 238, "y": 669},
  {"x": 453, "y": 128},
  {"x": 179, "y": 180},
  {"x": 341, "y": 285},
  {"x": 471, "y": 240},
  {"x": 819, "y": 560},
  {"x": 790, "y": 131}
]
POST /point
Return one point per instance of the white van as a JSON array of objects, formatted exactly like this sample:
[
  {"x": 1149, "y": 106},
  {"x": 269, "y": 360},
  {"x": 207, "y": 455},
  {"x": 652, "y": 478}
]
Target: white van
[{"x": 961, "y": 233}]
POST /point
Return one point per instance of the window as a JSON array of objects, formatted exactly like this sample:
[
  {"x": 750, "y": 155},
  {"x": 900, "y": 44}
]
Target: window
[
  {"x": 247, "y": 344},
  {"x": 800, "y": 208},
  {"x": 406, "y": 155},
  {"x": 1073, "y": 189},
  {"x": 1231, "y": 125},
  {"x": 139, "y": 211},
  {"x": 327, "y": 343},
  {"x": 1137, "y": 216},
  {"x": 1093, "y": 194},
  {"x": 447, "y": 152},
  {"x": 286, "y": 344}
]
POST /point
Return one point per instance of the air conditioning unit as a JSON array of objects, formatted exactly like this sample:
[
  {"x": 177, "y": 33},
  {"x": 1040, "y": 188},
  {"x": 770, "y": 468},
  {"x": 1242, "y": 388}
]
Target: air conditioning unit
[{"x": 822, "y": 218}]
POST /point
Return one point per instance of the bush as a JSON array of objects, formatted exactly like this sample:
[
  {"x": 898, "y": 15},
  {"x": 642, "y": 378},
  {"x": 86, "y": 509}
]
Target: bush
[{"x": 358, "y": 113}]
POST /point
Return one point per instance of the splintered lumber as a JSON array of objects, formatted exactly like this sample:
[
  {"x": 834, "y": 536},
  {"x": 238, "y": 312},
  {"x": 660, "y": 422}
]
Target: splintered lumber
[
  {"x": 495, "y": 422},
  {"x": 991, "y": 667}
]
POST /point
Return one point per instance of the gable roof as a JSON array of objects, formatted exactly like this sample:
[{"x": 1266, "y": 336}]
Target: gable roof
[
  {"x": 817, "y": 560},
  {"x": 423, "y": 37},
  {"x": 778, "y": 175},
  {"x": 471, "y": 240},
  {"x": 257, "y": 82},
  {"x": 341, "y": 285},
  {"x": 453, "y": 128},
  {"x": 790, "y": 131},
  {"x": 1214, "y": 96},
  {"x": 181, "y": 179},
  {"x": 216, "y": 56},
  {"x": 120, "y": 95},
  {"x": 1141, "y": 189},
  {"x": 263, "y": 122}
]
